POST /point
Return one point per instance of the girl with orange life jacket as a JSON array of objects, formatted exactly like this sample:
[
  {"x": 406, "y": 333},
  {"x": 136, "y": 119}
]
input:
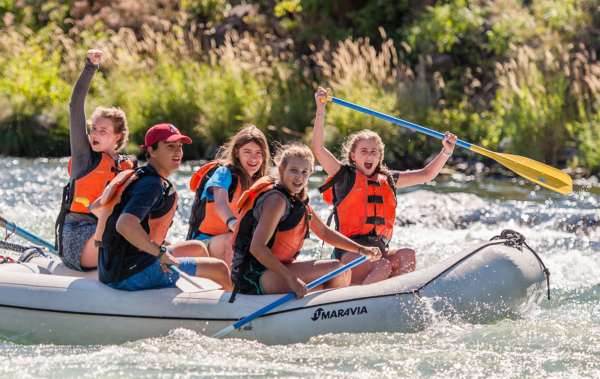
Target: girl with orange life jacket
[
  {"x": 363, "y": 193},
  {"x": 220, "y": 184},
  {"x": 94, "y": 163},
  {"x": 274, "y": 220}
]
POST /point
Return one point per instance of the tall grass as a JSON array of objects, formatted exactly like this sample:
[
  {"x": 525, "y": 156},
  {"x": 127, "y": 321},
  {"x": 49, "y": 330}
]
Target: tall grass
[{"x": 528, "y": 93}]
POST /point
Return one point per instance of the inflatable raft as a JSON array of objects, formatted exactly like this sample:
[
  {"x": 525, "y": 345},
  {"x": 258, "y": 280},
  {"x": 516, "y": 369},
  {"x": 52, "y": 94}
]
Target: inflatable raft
[{"x": 52, "y": 304}]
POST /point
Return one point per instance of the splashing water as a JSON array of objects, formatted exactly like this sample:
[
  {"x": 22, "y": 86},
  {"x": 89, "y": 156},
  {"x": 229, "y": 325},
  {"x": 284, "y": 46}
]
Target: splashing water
[{"x": 560, "y": 338}]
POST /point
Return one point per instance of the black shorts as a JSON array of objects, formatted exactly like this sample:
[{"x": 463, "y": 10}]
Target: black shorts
[{"x": 250, "y": 278}]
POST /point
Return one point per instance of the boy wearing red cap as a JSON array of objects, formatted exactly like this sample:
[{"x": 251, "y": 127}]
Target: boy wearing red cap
[{"x": 134, "y": 220}]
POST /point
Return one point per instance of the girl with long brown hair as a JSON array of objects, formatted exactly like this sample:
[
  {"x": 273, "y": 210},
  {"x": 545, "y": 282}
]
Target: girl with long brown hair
[{"x": 219, "y": 185}]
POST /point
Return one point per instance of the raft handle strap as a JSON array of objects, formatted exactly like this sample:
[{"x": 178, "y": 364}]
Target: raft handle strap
[
  {"x": 418, "y": 290},
  {"x": 546, "y": 270},
  {"x": 516, "y": 239}
]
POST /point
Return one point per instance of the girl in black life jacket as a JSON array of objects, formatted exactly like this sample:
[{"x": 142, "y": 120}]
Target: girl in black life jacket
[
  {"x": 362, "y": 191},
  {"x": 275, "y": 218}
]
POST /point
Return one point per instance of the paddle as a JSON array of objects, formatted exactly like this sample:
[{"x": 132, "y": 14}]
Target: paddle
[
  {"x": 288, "y": 297},
  {"x": 192, "y": 283},
  {"x": 11, "y": 227},
  {"x": 536, "y": 172}
]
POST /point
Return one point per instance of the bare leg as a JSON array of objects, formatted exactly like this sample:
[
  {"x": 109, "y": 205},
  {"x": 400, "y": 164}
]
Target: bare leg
[
  {"x": 221, "y": 247},
  {"x": 89, "y": 255},
  {"x": 307, "y": 272},
  {"x": 368, "y": 272},
  {"x": 215, "y": 270},
  {"x": 191, "y": 248},
  {"x": 403, "y": 261}
]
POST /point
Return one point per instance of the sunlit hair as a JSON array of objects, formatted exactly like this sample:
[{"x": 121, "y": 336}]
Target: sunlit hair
[
  {"x": 226, "y": 154},
  {"x": 291, "y": 150},
  {"x": 119, "y": 122},
  {"x": 350, "y": 146}
]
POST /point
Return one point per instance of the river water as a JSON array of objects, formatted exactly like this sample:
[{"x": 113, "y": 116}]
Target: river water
[{"x": 560, "y": 338}]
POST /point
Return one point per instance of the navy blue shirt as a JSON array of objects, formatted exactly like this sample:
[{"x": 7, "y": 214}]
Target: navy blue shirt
[{"x": 142, "y": 197}]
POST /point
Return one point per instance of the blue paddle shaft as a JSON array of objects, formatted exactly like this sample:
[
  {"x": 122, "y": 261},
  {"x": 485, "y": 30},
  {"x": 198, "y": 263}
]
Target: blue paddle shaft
[
  {"x": 26, "y": 235},
  {"x": 292, "y": 295},
  {"x": 397, "y": 121}
]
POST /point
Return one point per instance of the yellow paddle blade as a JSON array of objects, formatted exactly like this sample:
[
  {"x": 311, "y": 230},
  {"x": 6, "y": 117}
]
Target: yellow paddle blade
[
  {"x": 544, "y": 175},
  {"x": 83, "y": 201}
]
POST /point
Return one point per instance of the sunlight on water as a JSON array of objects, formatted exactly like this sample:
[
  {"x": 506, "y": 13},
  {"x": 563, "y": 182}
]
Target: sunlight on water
[{"x": 560, "y": 338}]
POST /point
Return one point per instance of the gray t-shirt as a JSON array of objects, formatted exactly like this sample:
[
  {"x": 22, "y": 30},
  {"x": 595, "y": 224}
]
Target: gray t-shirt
[{"x": 82, "y": 154}]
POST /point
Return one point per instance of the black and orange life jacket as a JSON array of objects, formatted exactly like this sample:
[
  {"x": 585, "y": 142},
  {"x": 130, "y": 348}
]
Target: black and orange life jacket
[
  {"x": 156, "y": 224},
  {"x": 366, "y": 210},
  {"x": 287, "y": 239},
  {"x": 89, "y": 185},
  {"x": 204, "y": 218}
]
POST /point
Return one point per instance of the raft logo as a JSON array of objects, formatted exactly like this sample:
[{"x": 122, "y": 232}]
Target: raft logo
[{"x": 321, "y": 314}]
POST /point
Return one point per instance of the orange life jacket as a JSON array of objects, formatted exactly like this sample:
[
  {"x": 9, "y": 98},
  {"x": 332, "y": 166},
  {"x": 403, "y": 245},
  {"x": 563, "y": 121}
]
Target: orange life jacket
[
  {"x": 289, "y": 236},
  {"x": 156, "y": 224},
  {"x": 366, "y": 211},
  {"x": 89, "y": 185},
  {"x": 92, "y": 182},
  {"x": 204, "y": 218}
]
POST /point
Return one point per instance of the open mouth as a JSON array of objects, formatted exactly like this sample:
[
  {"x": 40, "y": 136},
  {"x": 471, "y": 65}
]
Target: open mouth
[
  {"x": 298, "y": 185},
  {"x": 95, "y": 143},
  {"x": 252, "y": 166},
  {"x": 368, "y": 165}
]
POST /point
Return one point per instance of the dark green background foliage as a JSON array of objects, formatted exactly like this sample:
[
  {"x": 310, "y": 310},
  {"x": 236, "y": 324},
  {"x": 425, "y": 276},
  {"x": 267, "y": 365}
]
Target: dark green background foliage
[{"x": 509, "y": 75}]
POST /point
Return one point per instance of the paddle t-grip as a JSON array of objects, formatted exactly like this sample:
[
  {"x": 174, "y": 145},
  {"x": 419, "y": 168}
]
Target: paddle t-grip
[{"x": 83, "y": 201}]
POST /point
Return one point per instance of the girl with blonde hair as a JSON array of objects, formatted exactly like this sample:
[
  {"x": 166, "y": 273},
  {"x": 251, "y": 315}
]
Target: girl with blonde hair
[
  {"x": 363, "y": 193},
  {"x": 275, "y": 219}
]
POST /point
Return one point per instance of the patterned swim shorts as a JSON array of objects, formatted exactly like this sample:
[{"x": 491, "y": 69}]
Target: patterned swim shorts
[{"x": 74, "y": 237}]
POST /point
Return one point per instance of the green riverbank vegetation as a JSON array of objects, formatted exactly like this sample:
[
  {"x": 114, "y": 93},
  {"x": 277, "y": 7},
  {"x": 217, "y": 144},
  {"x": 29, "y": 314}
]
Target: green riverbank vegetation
[{"x": 514, "y": 76}]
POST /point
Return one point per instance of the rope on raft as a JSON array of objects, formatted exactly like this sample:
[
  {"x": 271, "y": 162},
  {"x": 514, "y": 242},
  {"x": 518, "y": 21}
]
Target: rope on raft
[{"x": 28, "y": 252}]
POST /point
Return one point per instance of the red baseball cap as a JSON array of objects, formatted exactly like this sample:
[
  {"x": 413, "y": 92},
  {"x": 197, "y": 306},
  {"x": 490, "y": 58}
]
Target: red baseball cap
[{"x": 165, "y": 133}]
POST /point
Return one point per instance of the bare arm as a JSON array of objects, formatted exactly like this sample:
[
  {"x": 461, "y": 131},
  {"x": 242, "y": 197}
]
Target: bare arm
[
  {"x": 129, "y": 227},
  {"x": 411, "y": 178},
  {"x": 274, "y": 207},
  {"x": 326, "y": 159},
  {"x": 340, "y": 241},
  {"x": 222, "y": 203}
]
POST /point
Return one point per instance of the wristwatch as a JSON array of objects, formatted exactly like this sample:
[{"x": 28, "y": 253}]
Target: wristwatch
[{"x": 163, "y": 250}]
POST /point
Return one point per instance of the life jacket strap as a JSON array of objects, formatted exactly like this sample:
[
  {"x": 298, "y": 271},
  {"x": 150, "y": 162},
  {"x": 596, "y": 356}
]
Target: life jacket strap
[
  {"x": 334, "y": 179},
  {"x": 375, "y": 199},
  {"x": 374, "y": 220}
]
